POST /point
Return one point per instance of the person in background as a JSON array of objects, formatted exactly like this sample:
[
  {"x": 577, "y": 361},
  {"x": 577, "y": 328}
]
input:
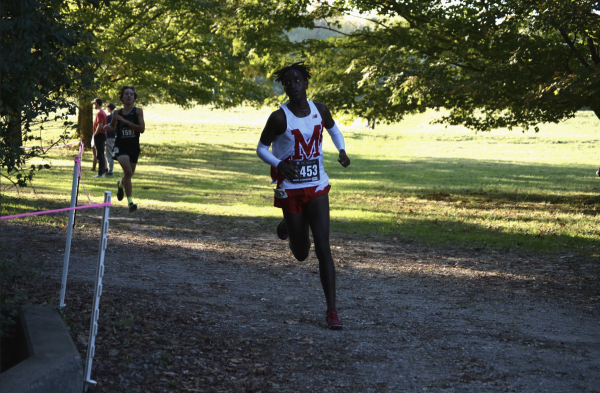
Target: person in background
[
  {"x": 110, "y": 140},
  {"x": 94, "y": 154},
  {"x": 99, "y": 136}
]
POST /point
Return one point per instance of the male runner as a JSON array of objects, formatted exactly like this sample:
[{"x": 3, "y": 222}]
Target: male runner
[
  {"x": 129, "y": 123},
  {"x": 296, "y": 132}
]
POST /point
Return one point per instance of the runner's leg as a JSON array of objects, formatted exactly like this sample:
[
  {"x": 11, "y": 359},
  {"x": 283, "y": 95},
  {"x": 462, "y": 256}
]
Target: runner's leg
[
  {"x": 94, "y": 159},
  {"x": 110, "y": 145},
  {"x": 317, "y": 214},
  {"x": 297, "y": 228},
  {"x": 100, "y": 141},
  {"x": 128, "y": 171}
]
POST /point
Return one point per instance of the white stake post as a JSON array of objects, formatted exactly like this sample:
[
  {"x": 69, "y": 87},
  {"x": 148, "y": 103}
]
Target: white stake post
[
  {"x": 97, "y": 293},
  {"x": 63, "y": 285}
]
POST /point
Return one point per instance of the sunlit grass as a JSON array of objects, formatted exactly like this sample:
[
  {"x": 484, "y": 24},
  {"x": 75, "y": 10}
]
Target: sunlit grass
[{"x": 410, "y": 181}]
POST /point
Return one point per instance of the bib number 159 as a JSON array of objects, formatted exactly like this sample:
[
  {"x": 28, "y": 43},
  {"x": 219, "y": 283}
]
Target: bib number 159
[{"x": 128, "y": 132}]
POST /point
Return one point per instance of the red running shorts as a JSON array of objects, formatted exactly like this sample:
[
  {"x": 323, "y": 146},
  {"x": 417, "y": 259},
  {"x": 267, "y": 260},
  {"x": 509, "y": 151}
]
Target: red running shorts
[{"x": 297, "y": 198}]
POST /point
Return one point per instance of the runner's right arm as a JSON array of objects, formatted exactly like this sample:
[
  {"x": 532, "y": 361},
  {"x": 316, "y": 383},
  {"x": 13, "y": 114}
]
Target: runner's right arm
[
  {"x": 276, "y": 125},
  {"x": 113, "y": 123}
]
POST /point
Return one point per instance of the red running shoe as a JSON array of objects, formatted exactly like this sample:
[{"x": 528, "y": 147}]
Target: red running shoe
[
  {"x": 333, "y": 322},
  {"x": 282, "y": 230}
]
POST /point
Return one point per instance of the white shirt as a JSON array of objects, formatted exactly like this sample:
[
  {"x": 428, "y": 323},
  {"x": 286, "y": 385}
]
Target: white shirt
[{"x": 302, "y": 142}]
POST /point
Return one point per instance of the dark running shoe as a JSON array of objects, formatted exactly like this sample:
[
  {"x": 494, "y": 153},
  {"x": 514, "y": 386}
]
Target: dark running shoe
[
  {"x": 132, "y": 207},
  {"x": 598, "y": 172},
  {"x": 282, "y": 230},
  {"x": 120, "y": 191},
  {"x": 333, "y": 322}
]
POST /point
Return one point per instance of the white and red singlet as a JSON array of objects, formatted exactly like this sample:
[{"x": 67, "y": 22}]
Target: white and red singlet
[{"x": 301, "y": 144}]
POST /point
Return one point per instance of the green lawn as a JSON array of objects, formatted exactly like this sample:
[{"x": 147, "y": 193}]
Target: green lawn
[{"x": 409, "y": 181}]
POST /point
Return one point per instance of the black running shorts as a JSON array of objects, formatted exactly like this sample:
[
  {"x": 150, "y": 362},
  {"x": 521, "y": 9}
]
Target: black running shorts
[{"x": 133, "y": 154}]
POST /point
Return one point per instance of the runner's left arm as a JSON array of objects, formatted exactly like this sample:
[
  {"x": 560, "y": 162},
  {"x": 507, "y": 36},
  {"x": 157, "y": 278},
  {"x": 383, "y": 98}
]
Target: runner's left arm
[
  {"x": 141, "y": 126},
  {"x": 99, "y": 127},
  {"x": 335, "y": 133}
]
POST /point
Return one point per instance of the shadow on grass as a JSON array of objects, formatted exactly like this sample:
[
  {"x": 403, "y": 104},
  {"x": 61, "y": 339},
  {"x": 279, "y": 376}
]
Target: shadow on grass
[
  {"x": 434, "y": 178},
  {"x": 229, "y": 168},
  {"x": 227, "y": 174},
  {"x": 450, "y": 238},
  {"x": 457, "y": 234},
  {"x": 451, "y": 233},
  {"x": 437, "y": 178}
]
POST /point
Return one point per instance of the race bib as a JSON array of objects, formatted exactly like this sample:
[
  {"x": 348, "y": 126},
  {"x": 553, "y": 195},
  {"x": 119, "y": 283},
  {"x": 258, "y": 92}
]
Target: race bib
[
  {"x": 309, "y": 171},
  {"x": 127, "y": 132},
  {"x": 280, "y": 194}
]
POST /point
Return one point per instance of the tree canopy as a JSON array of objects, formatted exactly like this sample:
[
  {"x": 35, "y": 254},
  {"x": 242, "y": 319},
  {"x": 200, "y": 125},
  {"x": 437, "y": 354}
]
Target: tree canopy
[
  {"x": 491, "y": 63},
  {"x": 40, "y": 73},
  {"x": 168, "y": 49}
]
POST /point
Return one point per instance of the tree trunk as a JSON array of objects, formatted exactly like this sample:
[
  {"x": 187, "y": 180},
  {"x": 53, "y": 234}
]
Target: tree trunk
[
  {"x": 13, "y": 140},
  {"x": 15, "y": 132},
  {"x": 85, "y": 121}
]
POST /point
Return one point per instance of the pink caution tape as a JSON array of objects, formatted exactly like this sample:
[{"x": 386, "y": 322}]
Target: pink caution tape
[
  {"x": 96, "y": 206},
  {"x": 90, "y": 206}
]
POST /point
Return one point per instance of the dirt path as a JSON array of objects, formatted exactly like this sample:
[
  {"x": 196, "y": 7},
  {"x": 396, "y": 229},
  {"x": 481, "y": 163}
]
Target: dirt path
[{"x": 185, "y": 309}]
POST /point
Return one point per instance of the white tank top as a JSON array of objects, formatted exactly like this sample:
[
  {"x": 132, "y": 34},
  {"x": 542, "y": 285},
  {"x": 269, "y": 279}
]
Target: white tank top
[{"x": 302, "y": 143}]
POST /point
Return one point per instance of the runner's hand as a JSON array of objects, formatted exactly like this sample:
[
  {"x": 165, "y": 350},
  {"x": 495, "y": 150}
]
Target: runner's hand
[
  {"x": 344, "y": 160},
  {"x": 288, "y": 171}
]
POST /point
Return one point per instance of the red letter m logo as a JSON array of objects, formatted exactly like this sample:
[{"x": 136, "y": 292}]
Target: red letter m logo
[{"x": 306, "y": 150}]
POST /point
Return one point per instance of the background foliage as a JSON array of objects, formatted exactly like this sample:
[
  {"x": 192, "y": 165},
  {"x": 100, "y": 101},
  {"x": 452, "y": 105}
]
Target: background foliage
[
  {"x": 491, "y": 63},
  {"x": 168, "y": 49},
  {"x": 412, "y": 180},
  {"x": 40, "y": 72}
]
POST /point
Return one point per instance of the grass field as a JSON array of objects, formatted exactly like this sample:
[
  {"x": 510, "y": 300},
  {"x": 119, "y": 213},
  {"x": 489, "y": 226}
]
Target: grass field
[{"x": 412, "y": 181}]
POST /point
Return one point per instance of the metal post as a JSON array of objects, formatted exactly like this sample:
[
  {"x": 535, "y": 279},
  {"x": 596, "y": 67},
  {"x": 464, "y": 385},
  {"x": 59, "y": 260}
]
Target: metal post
[
  {"x": 77, "y": 195},
  {"x": 97, "y": 293},
  {"x": 63, "y": 285}
]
